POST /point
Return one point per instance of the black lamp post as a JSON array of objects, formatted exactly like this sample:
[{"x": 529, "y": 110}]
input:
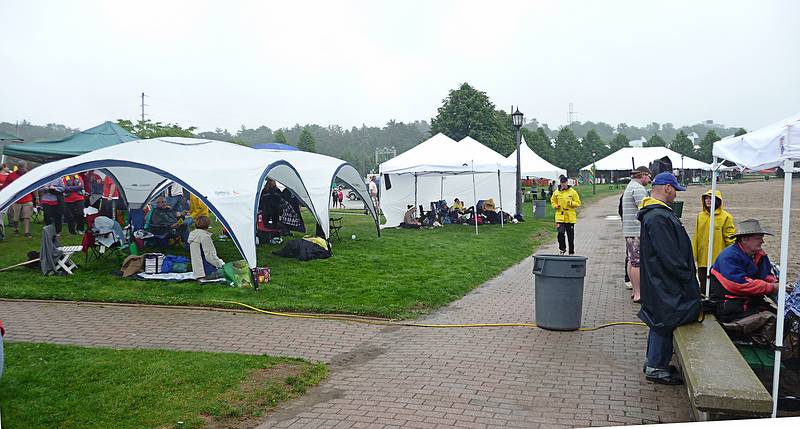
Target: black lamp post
[
  {"x": 516, "y": 119},
  {"x": 594, "y": 173},
  {"x": 683, "y": 173}
]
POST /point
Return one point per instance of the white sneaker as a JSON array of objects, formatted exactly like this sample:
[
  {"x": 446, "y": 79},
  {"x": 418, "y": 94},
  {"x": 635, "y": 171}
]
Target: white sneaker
[{"x": 629, "y": 285}]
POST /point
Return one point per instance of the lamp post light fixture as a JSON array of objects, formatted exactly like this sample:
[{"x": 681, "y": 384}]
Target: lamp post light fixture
[
  {"x": 517, "y": 119},
  {"x": 594, "y": 173}
]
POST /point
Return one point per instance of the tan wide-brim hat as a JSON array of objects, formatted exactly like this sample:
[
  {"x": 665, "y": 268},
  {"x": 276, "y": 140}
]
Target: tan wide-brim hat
[{"x": 749, "y": 227}]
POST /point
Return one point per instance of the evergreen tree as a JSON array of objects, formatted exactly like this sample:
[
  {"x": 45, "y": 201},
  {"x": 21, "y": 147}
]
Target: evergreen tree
[
  {"x": 739, "y": 132},
  {"x": 704, "y": 151},
  {"x": 279, "y": 136},
  {"x": 306, "y": 141},
  {"x": 592, "y": 143},
  {"x": 568, "y": 151},
  {"x": 618, "y": 142},
  {"x": 655, "y": 141},
  {"x": 682, "y": 144}
]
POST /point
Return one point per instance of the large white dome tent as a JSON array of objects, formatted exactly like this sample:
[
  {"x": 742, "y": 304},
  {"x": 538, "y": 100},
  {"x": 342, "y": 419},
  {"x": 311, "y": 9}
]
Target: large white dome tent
[{"x": 227, "y": 177}]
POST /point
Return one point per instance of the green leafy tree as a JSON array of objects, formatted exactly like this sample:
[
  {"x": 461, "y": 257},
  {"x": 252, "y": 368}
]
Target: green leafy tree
[
  {"x": 469, "y": 112},
  {"x": 279, "y": 137},
  {"x": 539, "y": 143},
  {"x": 592, "y": 143},
  {"x": 148, "y": 129},
  {"x": 618, "y": 142},
  {"x": 654, "y": 141},
  {"x": 739, "y": 132},
  {"x": 704, "y": 150},
  {"x": 682, "y": 144},
  {"x": 568, "y": 151},
  {"x": 306, "y": 141}
]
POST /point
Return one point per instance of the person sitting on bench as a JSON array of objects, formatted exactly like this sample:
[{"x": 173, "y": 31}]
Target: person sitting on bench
[
  {"x": 741, "y": 279},
  {"x": 410, "y": 218},
  {"x": 205, "y": 262}
]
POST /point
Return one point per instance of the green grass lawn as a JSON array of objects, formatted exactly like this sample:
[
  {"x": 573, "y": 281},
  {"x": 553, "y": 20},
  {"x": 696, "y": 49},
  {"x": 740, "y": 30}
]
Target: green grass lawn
[
  {"x": 401, "y": 274},
  {"x": 47, "y": 386}
]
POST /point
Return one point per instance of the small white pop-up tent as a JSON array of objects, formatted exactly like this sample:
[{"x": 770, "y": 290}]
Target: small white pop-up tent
[
  {"x": 621, "y": 159},
  {"x": 533, "y": 165},
  {"x": 442, "y": 169},
  {"x": 227, "y": 177},
  {"x": 776, "y": 145}
]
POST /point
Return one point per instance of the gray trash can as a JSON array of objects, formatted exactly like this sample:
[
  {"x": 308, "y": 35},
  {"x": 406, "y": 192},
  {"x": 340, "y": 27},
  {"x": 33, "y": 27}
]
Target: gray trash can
[
  {"x": 539, "y": 207},
  {"x": 558, "y": 291}
]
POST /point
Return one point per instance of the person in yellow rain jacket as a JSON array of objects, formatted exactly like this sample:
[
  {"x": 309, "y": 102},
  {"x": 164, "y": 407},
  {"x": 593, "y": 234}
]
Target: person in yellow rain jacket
[
  {"x": 724, "y": 232},
  {"x": 196, "y": 207},
  {"x": 565, "y": 200}
]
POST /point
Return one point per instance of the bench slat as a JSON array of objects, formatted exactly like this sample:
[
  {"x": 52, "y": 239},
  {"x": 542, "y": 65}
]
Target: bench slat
[{"x": 717, "y": 376}]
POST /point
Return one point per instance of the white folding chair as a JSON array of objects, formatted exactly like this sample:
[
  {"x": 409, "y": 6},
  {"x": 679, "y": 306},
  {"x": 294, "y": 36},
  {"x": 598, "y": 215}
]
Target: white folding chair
[{"x": 64, "y": 261}]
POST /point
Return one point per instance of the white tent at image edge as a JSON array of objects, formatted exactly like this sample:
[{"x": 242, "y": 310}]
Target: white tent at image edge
[
  {"x": 227, "y": 177},
  {"x": 442, "y": 169},
  {"x": 621, "y": 159},
  {"x": 776, "y": 145},
  {"x": 533, "y": 165}
]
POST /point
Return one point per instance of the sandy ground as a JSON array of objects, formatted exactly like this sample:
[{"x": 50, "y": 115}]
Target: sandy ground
[{"x": 754, "y": 200}]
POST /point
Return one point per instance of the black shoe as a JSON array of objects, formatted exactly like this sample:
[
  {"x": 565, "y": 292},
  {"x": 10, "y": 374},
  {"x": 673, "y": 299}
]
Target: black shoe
[
  {"x": 672, "y": 369},
  {"x": 670, "y": 380}
]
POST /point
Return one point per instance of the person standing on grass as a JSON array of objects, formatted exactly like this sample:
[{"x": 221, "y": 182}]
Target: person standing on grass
[
  {"x": 669, "y": 291},
  {"x": 724, "y": 232},
  {"x": 565, "y": 200},
  {"x": 52, "y": 198},
  {"x": 22, "y": 209},
  {"x": 73, "y": 203},
  {"x": 632, "y": 198}
]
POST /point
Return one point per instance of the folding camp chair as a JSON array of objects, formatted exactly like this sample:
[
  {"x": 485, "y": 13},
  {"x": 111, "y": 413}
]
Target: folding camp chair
[
  {"x": 103, "y": 237},
  {"x": 335, "y": 224}
]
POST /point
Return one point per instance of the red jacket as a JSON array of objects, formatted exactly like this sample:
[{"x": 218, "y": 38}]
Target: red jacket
[
  {"x": 2, "y": 330},
  {"x": 73, "y": 185},
  {"x": 12, "y": 177}
]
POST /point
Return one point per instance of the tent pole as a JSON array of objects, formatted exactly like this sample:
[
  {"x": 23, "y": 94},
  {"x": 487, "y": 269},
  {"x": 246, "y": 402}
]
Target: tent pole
[
  {"x": 500, "y": 192},
  {"x": 415, "y": 190},
  {"x": 714, "y": 168},
  {"x": 474, "y": 199},
  {"x": 788, "y": 168},
  {"x": 441, "y": 188}
]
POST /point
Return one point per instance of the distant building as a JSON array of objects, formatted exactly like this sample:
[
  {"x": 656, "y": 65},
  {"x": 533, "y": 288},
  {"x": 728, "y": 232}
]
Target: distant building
[
  {"x": 709, "y": 123},
  {"x": 637, "y": 143}
]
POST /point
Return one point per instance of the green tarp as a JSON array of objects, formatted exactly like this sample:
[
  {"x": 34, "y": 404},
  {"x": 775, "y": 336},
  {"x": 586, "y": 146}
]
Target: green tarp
[
  {"x": 7, "y": 136},
  {"x": 103, "y": 135}
]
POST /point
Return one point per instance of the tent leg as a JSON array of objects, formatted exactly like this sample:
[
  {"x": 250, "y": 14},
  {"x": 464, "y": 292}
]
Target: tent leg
[
  {"x": 500, "y": 192},
  {"x": 474, "y": 199},
  {"x": 714, "y": 168},
  {"x": 415, "y": 189},
  {"x": 788, "y": 168}
]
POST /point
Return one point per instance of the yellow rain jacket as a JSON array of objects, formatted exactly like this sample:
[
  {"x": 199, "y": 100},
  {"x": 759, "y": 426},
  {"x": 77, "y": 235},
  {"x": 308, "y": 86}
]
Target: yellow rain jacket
[
  {"x": 565, "y": 202},
  {"x": 723, "y": 232},
  {"x": 196, "y": 207}
]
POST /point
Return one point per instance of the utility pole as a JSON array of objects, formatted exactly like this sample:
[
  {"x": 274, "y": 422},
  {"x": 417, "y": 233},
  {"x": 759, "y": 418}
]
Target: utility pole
[
  {"x": 143, "y": 106},
  {"x": 571, "y": 114}
]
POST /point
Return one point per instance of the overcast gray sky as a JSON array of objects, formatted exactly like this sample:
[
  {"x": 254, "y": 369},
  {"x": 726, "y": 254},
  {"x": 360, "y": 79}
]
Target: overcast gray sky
[{"x": 277, "y": 63}]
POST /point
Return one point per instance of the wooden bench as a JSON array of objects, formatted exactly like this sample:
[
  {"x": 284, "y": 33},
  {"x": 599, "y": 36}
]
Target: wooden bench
[{"x": 721, "y": 384}]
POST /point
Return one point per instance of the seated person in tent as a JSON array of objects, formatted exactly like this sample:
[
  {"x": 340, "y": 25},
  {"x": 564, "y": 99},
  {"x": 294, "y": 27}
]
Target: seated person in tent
[
  {"x": 269, "y": 204},
  {"x": 741, "y": 279},
  {"x": 205, "y": 261},
  {"x": 166, "y": 223},
  {"x": 458, "y": 207},
  {"x": 410, "y": 218}
]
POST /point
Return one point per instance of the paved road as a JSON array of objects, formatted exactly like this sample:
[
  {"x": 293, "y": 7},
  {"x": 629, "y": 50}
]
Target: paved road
[{"x": 421, "y": 377}]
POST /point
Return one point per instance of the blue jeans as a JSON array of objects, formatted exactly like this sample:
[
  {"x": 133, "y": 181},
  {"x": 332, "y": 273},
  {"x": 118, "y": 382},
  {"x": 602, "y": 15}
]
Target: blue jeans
[{"x": 659, "y": 353}]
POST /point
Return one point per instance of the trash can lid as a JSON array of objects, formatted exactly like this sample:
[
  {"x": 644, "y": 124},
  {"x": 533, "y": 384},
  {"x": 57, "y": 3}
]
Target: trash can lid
[{"x": 560, "y": 257}]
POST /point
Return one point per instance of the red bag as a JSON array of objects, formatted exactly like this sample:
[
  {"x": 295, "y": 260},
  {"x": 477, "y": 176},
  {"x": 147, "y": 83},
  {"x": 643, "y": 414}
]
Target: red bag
[{"x": 260, "y": 277}]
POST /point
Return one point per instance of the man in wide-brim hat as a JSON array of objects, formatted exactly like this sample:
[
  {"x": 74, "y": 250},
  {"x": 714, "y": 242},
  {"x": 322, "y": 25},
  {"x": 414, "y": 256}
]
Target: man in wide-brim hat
[{"x": 742, "y": 275}]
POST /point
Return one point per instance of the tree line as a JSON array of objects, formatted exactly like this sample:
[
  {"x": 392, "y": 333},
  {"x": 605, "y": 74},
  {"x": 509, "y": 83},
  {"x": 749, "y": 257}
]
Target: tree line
[{"x": 465, "y": 111}]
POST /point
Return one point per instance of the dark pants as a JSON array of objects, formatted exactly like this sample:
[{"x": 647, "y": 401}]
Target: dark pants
[
  {"x": 659, "y": 353},
  {"x": 701, "y": 277},
  {"x": 74, "y": 215},
  {"x": 53, "y": 215},
  {"x": 569, "y": 229}
]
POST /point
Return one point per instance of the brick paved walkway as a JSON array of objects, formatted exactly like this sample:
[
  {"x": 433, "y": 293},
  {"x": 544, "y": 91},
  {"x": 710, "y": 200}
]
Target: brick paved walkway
[{"x": 421, "y": 377}]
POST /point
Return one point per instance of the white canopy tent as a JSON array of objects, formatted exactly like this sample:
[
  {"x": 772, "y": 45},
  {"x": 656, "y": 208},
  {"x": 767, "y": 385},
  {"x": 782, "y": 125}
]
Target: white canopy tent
[
  {"x": 621, "y": 159},
  {"x": 442, "y": 169},
  {"x": 533, "y": 165},
  {"x": 776, "y": 145},
  {"x": 227, "y": 177}
]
